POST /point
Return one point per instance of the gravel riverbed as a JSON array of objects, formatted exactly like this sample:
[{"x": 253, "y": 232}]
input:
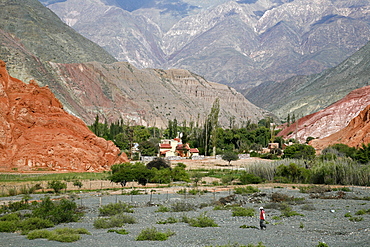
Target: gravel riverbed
[{"x": 325, "y": 221}]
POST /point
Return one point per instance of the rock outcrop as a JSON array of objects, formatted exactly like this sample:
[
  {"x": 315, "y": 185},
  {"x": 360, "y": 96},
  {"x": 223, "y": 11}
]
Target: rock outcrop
[
  {"x": 330, "y": 120},
  {"x": 356, "y": 133},
  {"x": 37, "y": 134}
]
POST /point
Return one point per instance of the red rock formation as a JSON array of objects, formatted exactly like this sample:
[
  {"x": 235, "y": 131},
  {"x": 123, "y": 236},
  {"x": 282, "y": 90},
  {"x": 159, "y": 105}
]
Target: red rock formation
[
  {"x": 331, "y": 119},
  {"x": 37, "y": 134},
  {"x": 354, "y": 135}
]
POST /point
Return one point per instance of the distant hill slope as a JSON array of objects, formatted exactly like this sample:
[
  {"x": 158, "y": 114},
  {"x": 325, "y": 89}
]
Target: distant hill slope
[
  {"x": 149, "y": 96},
  {"x": 303, "y": 95},
  {"x": 238, "y": 43},
  {"x": 55, "y": 55}
]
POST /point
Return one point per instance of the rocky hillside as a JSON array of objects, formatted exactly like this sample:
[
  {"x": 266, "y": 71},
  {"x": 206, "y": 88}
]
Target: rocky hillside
[
  {"x": 356, "y": 133},
  {"x": 303, "y": 95},
  {"x": 331, "y": 119},
  {"x": 37, "y": 134},
  {"x": 240, "y": 43},
  {"x": 148, "y": 96},
  {"x": 53, "y": 54}
]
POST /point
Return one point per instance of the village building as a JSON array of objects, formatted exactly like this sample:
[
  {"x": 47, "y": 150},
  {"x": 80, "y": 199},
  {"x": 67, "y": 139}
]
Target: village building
[{"x": 175, "y": 147}]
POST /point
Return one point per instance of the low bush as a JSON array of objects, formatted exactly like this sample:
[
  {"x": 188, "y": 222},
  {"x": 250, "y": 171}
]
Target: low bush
[
  {"x": 246, "y": 190},
  {"x": 162, "y": 209},
  {"x": 288, "y": 212},
  {"x": 114, "y": 221},
  {"x": 170, "y": 220},
  {"x": 152, "y": 234},
  {"x": 356, "y": 219},
  {"x": 62, "y": 211},
  {"x": 321, "y": 244},
  {"x": 202, "y": 221},
  {"x": 33, "y": 224},
  {"x": 249, "y": 178},
  {"x": 115, "y": 208},
  {"x": 308, "y": 207},
  {"x": 60, "y": 234},
  {"x": 182, "y": 207},
  {"x": 240, "y": 211},
  {"x": 39, "y": 234},
  {"x": 10, "y": 217},
  {"x": 8, "y": 226},
  {"x": 120, "y": 231}
]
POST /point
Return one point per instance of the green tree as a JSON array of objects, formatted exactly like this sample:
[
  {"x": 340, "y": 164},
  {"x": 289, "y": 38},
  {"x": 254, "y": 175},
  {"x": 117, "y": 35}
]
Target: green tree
[
  {"x": 230, "y": 156},
  {"x": 158, "y": 163},
  {"x": 299, "y": 151},
  {"x": 57, "y": 186},
  {"x": 148, "y": 148},
  {"x": 127, "y": 172}
]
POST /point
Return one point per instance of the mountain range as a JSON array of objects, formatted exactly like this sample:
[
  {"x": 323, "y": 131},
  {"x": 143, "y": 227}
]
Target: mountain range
[
  {"x": 88, "y": 81},
  {"x": 241, "y": 43}
]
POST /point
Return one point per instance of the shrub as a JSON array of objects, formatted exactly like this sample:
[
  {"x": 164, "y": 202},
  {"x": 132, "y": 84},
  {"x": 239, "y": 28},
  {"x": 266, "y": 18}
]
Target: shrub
[
  {"x": 182, "y": 207},
  {"x": 321, "y": 244},
  {"x": 120, "y": 231},
  {"x": 10, "y": 217},
  {"x": 347, "y": 215},
  {"x": 33, "y": 224},
  {"x": 170, "y": 220},
  {"x": 57, "y": 186},
  {"x": 288, "y": 212},
  {"x": 356, "y": 219},
  {"x": 246, "y": 190},
  {"x": 39, "y": 234},
  {"x": 240, "y": 211},
  {"x": 62, "y": 211},
  {"x": 152, "y": 234},
  {"x": 162, "y": 209},
  {"x": 308, "y": 207},
  {"x": 114, "y": 221},
  {"x": 8, "y": 226},
  {"x": 115, "y": 208},
  {"x": 361, "y": 212},
  {"x": 249, "y": 178},
  {"x": 202, "y": 221}
]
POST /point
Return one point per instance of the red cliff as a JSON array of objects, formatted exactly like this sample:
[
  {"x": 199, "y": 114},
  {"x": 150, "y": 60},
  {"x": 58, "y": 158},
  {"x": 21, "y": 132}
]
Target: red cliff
[
  {"x": 331, "y": 119},
  {"x": 356, "y": 133},
  {"x": 37, "y": 134}
]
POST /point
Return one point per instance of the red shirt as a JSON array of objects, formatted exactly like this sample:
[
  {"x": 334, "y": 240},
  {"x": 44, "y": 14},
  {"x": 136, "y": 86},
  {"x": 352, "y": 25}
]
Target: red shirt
[{"x": 262, "y": 214}]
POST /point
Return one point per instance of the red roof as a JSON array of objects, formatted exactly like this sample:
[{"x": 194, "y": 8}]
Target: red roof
[
  {"x": 182, "y": 146},
  {"x": 165, "y": 146},
  {"x": 194, "y": 150}
]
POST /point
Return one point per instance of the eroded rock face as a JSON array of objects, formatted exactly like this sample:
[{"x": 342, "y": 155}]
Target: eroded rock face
[
  {"x": 37, "y": 134},
  {"x": 331, "y": 119},
  {"x": 356, "y": 133}
]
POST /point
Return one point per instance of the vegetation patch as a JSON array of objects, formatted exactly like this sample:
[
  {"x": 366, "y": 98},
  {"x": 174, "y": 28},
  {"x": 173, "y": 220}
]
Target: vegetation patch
[
  {"x": 119, "y": 231},
  {"x": 246, "y": 190},
  {"x": 117, "y": 220},
  {"x": 240, "y": 211},
  {"x": 115, "y": 208},
  {"x": 60, "y": 234},
  {"x": 152, "y": 234},
  {"x": 170, "y": 220}
]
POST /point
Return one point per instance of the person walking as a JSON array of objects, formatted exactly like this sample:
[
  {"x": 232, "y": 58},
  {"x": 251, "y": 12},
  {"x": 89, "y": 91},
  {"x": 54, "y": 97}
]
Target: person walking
[{"x": 262, "y": 218}]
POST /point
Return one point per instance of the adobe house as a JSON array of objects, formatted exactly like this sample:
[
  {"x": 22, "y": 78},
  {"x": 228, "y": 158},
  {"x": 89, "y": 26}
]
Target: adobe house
[{"x": 174, "y": 147}]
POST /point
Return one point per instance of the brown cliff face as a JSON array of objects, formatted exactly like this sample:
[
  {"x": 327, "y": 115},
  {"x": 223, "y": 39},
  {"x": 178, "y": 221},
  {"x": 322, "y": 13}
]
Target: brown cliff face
[
  {"x": 331, "y": 119},
  {"x": 355, "y": 134},
  {"x": 37, "y": 134}
]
